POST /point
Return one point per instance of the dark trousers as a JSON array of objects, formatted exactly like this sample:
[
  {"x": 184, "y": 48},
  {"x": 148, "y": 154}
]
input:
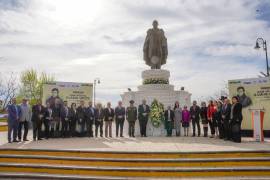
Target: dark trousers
[
  {"x": 25, "y": 125},
  {"x": 65, "y": 128},
  {"x": 221, "y": 129},
  {"x": 47, "y": 129},
  {"x": 236, "y": 131},
  {"x": 169, "y": 127},
  {"x": 119, "y": 124},
  {"x": 131, "y": 128},
  {"x": 196, "y": 122},
  {"x": 37, "y": 129},
  {"x": 73, "y": 128},
  {"x": 12, "y": 128},
  {"x": 212, "y": 127},
  {"x": 99, "y": 125},
  {"x": 143, "y": 124},
  {"x": 89, "y": 128},
  {"x": 82, "y": 131},
  {"x": 227, "y": 130}
]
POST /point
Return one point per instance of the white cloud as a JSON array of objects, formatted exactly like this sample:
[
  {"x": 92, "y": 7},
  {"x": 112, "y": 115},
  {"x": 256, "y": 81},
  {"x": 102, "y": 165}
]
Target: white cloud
[{"x": 78, "y": 40}]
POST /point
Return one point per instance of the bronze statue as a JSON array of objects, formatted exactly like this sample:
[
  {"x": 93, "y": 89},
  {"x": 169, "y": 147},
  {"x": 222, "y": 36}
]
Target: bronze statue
[{"x": 155, "y": 49}]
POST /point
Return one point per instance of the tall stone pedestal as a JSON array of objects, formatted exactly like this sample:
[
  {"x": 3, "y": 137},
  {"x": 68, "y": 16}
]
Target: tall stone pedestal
[{"x": 156, "y": 86}]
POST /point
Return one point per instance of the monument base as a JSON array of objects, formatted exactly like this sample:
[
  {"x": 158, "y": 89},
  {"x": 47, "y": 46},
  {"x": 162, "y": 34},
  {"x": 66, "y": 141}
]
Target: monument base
[{"x": 164, "y": 93}]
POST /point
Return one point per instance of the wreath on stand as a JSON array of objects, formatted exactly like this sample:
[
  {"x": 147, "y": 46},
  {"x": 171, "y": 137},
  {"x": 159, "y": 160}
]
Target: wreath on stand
[{"x": 157, "y": 113}]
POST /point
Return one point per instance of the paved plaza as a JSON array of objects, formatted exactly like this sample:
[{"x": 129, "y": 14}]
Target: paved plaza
[{"x": 151, "y": 144}]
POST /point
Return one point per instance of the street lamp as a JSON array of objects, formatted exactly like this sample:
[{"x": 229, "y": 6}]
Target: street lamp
[
  {"x": 96, "y": 81},
  {"x": 257, "y": 46}
]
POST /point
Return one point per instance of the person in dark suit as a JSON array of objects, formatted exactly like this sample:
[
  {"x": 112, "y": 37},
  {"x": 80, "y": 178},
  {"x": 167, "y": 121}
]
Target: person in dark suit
[
  {"x": 203, "y": 116},
  {"x": 99, "y": 117},
  {"x": 236, "y": 119},
  {"x": 47, "y": 120},
  {"x": 65, "y": 119},
  {"x": 120, "y": 113},
  {"x": 38, "y": 112},
  {"x": 195, "y": 117},
  {"x": 90, "y": 119},
  {"x": 143, "y": 115},
  {"x": 225, "y": 115},
  {"x": 169, "y": 117},
  {"x": 56, "y": 114},
  {"x": 108, "y": 118},
  {"x": 14, "y": 114},
  {"x": 81, "y": 111},
  {"x": 73, "y": 117}
]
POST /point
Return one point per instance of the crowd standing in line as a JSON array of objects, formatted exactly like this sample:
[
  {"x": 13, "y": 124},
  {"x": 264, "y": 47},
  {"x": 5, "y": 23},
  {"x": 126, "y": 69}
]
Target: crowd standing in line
[{"x": 57, "y": 119}]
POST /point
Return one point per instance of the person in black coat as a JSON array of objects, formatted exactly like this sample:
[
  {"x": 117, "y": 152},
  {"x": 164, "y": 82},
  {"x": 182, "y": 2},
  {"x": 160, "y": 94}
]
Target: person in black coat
[
  {"x": 195, "y": 117},
  {"x": 38, "y": 112},
  {"x": 73, "y": 116},
  {"x": 120, "y": 113},
  {"x": 90, "y": 119},
  {"x": 81, "y": 111},
  {"x": 236, "y": 119},
  {"x": 65, "y": 119},
  {"x": 218, "y": 117},
  {"x": 204, "y": 119},
  {"x": 169, "y": 117},
  {"x": 56, "y": 114},
  {"x": 225, "y": 114}
]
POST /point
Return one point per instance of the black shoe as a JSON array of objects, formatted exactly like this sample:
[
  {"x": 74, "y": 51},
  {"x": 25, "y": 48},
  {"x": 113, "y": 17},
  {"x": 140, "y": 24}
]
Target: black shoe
[
  {"x": 121, "y": 136},
  {"x": 15, "y": 140},
  {"x": 9, "y": 141},
  {"x": 25, "y": 140},
  {"x": 39, "y": 139},
  {"x": 193, "y": 135}
]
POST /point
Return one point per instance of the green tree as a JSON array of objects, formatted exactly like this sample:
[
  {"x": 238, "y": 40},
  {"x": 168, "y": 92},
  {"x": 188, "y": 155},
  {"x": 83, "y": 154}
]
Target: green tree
[{"x": 31, "y": 84}]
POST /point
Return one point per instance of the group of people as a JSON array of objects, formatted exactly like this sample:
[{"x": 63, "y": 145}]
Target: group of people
[
  {"x": 57, "y": 119},
  {"x": 223, "y": 118}
]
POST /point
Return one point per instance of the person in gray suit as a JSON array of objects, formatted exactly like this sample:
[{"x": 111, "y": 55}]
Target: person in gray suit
[
  {"x": 25, "y": 118},
  {"x": 120, "y": 113}
]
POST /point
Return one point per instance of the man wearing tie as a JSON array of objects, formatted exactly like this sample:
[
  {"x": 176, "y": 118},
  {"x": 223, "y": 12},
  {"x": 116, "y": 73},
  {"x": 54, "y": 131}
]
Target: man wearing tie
[
  {"x": 225, "y": 114},
  {"x": 90, "y": 115},
  {"x": 99, "y": 116},
  {"x": 120, "y": 113},
  {"x": 169, "y": 116},
  {"x": 37, "y": 119},
  {"x": 65, "y": 119},
  {"x": 144, "y": 111},
  {"x": 108, "y": 118},
  {"x": 14, "y": 113},
  {"x": 195, "y": 118}
]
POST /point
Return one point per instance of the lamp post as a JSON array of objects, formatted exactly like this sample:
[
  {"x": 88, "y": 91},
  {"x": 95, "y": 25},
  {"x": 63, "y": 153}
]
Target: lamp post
[
  {"x": 96, "y": 81},
  {"x": 257, "y": 46}
]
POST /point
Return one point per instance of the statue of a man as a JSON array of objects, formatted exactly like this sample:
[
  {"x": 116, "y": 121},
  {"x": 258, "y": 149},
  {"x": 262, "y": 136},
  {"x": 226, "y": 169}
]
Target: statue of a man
[{"x": 155, "y": 50}]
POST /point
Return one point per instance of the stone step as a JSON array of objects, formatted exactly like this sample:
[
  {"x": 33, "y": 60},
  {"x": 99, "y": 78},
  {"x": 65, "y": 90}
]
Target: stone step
[
  {"x": 136, "y": 172},
  {"x": 116, "y": 162},
  {"x": 135, "y": 155}
]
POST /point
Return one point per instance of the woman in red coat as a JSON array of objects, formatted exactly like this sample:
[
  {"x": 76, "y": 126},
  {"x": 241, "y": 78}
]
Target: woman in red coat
[{"x": 210, "y": 112}]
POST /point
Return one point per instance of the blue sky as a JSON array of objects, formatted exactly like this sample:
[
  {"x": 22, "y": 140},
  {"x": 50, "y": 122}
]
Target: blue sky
[{"x": 209, "y": 41}]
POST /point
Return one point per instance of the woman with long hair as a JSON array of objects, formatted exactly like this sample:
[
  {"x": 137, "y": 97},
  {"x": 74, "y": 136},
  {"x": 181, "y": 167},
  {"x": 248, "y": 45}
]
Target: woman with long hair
[
  {"x": 203, "y": 116},
  {"x": 210, "y": 112}
]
